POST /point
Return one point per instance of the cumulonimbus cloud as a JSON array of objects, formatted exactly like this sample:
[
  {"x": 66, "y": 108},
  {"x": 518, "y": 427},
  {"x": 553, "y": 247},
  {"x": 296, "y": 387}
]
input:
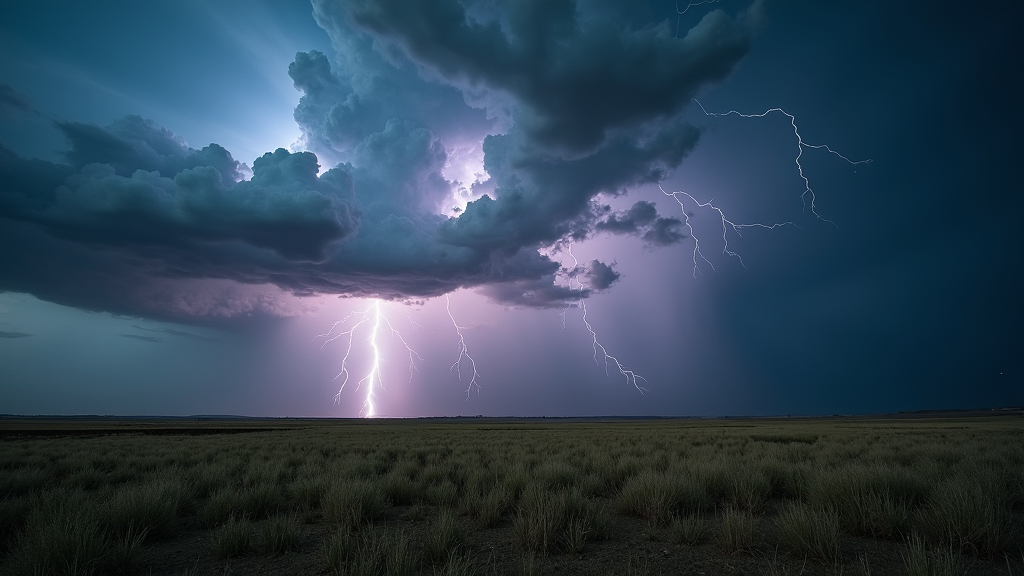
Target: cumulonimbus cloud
[{"x": 564, "y": 103}]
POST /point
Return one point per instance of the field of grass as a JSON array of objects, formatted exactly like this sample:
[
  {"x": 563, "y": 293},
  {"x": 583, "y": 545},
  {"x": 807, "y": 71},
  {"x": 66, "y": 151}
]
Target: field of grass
[{"x": 856, "y": 496}]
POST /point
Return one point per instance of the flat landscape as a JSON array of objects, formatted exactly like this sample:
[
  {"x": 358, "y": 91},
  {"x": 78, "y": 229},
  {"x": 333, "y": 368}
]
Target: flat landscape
[{"x": 939, "y": 493}]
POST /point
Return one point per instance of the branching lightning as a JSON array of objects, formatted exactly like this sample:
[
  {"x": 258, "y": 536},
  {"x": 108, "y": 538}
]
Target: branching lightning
[
  {"x": 463, "y": 352},
  {"x": 374, "y": 316},
  {"x": 465, "y": 365},
  {"x": 808, "y": 192},
  {"x": 630, "y": 376},
  {"x": 691, "y": 4},
  {"x": 807, "y": 195},
  {"x": 727, "y": 225}
]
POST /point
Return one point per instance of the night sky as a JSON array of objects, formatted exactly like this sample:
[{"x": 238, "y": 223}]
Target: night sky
[{"x": 191, "y": 192}]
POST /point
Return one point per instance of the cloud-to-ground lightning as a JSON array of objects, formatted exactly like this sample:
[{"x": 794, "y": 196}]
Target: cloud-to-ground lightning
[
  {"x": 373, "y": 379},
  {"x": 807, "y": 195},
  {"x": 465, "y": 366},
  {"x": 463, "y": 353},
  {"x": 630, "y": 376}
]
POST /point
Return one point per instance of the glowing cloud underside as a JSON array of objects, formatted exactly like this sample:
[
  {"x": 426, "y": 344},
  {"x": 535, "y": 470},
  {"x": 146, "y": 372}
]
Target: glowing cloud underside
[{"x": 466, "y": 364}]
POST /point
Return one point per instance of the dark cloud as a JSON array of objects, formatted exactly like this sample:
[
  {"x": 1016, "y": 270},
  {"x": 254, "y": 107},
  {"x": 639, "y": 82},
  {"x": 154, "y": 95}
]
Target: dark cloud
[
  {"x": 13, "y": 334},
  {"x": 576, "y": 76},
  {"x": 561, "y": 102},
  {"x": 13, "y": 101},
  {"x": 641, "y": 220},
  {"x": 178, "y": 333},
  {"x": 600, "y": 276},
  {"x": 540, "y": 293},
  {"x": 143, "y": 338}
]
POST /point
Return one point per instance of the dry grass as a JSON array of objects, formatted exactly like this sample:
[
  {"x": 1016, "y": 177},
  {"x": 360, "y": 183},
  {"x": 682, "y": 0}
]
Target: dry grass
[{"x": 405, "y": 498}]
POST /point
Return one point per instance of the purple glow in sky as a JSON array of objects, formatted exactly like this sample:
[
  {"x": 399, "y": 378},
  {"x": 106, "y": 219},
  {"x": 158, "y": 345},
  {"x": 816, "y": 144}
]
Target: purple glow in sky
[{"x": 532, "y": 184}]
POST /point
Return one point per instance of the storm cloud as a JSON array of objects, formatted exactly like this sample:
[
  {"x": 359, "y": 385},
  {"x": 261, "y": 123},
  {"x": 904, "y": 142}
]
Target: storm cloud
[{"x": 560, "y": 104}]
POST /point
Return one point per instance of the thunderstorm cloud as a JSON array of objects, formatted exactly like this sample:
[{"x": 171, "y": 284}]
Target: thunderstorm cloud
[{"x": 560, "y": 105}]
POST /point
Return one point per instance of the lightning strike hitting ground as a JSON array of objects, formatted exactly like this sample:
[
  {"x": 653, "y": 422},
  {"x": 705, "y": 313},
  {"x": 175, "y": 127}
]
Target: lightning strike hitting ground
[
  {"x": 807, "y": 195},
  {"x": 373, "y": 378},
  {"x": 630, "y": 376},
  {"x": 463, "y": 352},
  {"x": 374, "y": 316}
]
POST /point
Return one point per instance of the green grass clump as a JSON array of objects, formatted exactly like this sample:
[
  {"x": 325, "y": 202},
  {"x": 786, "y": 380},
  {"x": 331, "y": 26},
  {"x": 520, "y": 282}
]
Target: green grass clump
[
  {"x": 307, "y": 491},
  {"x": 62, "y": 536},
  {"x": 486, "y": 507},
  {"x": 872, "y": 501},
  {"x": 233, "y": 538},
  {"x": 123, "y": 555},
  {"x": 457, "y": 565},
  {"x": 691, "y": 529},
  {"x": 370, "y": 553},
  {"x": 399, "y": 488},
  {"x": 548, "y": 520},
  {"x": 967, "y": 514},
  {"x": 152, "y": 508},
  {"x": 352, "y": 502},
  {"x": 810, "y": 532},
  {"x": 444, "y": 537},
  {"x": 657, "y": 496},
  {"x": 737, "y": 531},
  {"x": 219, "y": 507},
  {"x": 281, "y": 534},
  {"x": 920, "y": 561},
  {"x": 444, "y": 493}
]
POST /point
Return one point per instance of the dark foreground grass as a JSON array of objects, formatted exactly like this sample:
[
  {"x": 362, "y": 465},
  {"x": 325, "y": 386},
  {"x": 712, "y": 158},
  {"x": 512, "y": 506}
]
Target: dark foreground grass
[{"x": 479, "y": 496}]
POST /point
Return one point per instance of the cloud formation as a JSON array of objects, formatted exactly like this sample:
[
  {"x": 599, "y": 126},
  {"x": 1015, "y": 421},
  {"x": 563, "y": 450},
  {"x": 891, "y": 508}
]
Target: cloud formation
[{"x": 561, "y": 103}]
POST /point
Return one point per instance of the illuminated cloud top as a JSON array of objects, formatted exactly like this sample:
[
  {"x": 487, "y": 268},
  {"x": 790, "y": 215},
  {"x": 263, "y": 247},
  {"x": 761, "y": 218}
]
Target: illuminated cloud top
[
  {"x": 559, "y": 102},
  {"x": 212, "y": 175}
]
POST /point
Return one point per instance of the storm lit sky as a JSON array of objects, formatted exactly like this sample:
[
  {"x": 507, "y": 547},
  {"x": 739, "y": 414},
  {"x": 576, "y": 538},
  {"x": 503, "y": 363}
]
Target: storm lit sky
[{"x": 191, "y": 192}]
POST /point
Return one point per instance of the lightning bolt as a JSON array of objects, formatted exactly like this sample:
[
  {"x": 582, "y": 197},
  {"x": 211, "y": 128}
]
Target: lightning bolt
[
  {"x": 728, "y": 225},
  {"x": 630, "y": 376},
  {"x": 679, "y": 13},
  {"x": 800, "y": 146},
  {"x": 463, "y": 352},
  {"x": 374, "y": 316}
]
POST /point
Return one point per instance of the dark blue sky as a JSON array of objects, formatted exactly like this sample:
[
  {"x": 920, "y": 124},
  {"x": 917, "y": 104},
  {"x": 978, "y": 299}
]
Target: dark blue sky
[{"x": 461, "y": 147}]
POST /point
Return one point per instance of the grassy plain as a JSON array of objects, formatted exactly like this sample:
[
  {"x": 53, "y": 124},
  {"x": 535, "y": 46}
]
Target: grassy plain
[{"x": 856, "y": 496}]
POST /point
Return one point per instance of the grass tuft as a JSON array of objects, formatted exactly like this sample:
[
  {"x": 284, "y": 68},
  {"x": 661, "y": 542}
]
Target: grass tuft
[
  {"x": 920, "y": 561},
  {"x": 810, "y": 532},
  {"x": 370, "y": 553},
  {"x": 968, "y": 515},
  {"x": 281, "y": 534},
  {"x": 353, "y": 502},
  {"x": 444, "y": 538},
  {"x": 60, "y": 537},
  {"x": 692, "y": 529},
  {"x": 737, "y": 531},
  {"x": 233, "y": 538}
]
